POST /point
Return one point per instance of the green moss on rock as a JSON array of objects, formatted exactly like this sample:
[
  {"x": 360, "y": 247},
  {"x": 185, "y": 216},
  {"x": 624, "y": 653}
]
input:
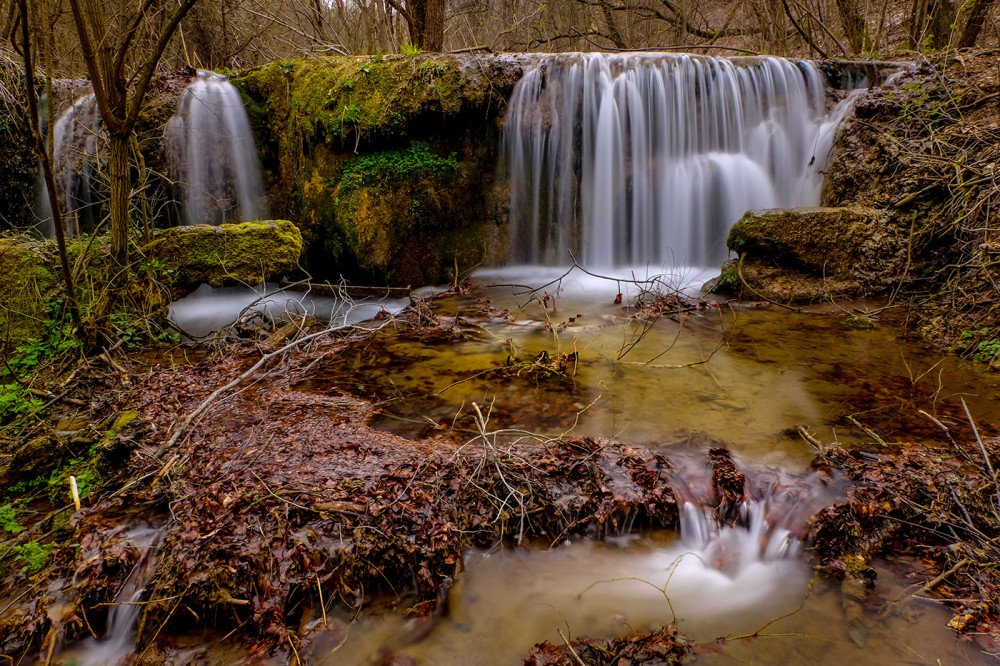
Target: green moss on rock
[
  {"x": 386, "y": 164},
  {"x": 229, "y": 254},
  {"x": 27, "y": 280}
]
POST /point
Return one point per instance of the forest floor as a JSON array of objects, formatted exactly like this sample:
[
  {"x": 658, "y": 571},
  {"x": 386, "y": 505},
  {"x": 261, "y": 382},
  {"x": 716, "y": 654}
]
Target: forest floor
[{"x": 281, "y": 493}]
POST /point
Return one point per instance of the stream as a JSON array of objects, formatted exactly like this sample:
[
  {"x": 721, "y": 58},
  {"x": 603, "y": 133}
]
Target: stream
[{"x": 742, "y": 376}]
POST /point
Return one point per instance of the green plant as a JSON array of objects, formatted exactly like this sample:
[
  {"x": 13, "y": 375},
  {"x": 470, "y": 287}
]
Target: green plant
[
  {"x": 16, "y": 401},
  {"x": 130, "y": 336},
  {"x": 410, "y": 51},
  {"x": 54, "y": 341},
  {"x": 154, "y": 267},
  {"x": 8, "y": 519},
  {"x": 350, "y": 114},
  {"x": 391, "y": 166},
  {"x": 34, "y": 555},
  {"x": 987, "y": 350}
]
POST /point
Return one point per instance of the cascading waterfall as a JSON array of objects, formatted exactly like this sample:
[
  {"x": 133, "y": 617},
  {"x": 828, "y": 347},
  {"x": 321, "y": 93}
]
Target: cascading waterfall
[
  {"x": 634, "y": 159},
  {"x": 75, "y": 139},
  {"x": 120, "y": 636},
  {"x": 211, "y": 158},
  {"x": 212, "y": 154}
]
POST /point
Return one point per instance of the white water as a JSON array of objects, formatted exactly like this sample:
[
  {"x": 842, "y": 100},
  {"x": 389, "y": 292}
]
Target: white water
[
  {"x": 208, "y": 309},
  {"x": 649, "y": 159},
  {"x": 74, "y": 157},
  {"x": 119, "y": 638},
  {"x": 713, "y": 581},
  {"x": 213, "y": 159}
]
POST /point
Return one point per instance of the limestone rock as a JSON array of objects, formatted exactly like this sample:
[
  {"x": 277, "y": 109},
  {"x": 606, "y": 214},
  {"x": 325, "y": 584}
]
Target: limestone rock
[
  {"x": 807, "y": 254},
  {"x": 229, "y": 254}
]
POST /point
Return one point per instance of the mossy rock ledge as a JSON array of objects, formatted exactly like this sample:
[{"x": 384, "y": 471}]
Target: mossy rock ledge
[
  {"x": 809, "y": 254},
  {"x": 27, "y": 279},
  {"x": 226, "y": 255}
]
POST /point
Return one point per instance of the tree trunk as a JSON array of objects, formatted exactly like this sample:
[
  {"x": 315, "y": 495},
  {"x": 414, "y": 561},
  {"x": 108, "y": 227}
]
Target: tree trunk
[
  {"x": 853, "y": 21},
  {"x": 426, "y": 23},
  {"x": 118, "y": 177},
  {"x": 434, "y": 26},
  {"x": 977, "y": 16}
]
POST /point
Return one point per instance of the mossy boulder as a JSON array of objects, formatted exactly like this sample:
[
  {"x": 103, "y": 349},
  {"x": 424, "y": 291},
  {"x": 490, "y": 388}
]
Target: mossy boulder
[
  {"x": 228, "y": 254},
  {"x": 28, "y": 279},
  {"x": 351, "y": 148},
  {"x": 807, "y": 254}
]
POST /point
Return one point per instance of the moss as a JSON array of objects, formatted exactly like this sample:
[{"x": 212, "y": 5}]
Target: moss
[
  {"x": 27, "y": 280},
  {"x": 246, "y": 253},
  {"x": 382, "y": 162},
  {"x": 858, "y": 323}
]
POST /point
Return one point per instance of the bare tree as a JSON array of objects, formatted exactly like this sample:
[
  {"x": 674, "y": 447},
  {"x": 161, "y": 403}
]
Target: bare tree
[{"x": 122, "y": 43}]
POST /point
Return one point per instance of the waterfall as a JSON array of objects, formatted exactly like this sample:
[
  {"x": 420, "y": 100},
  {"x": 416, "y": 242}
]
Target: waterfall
[
  {"x": 119, "y": 639},
  {"x": 212, "y": 156},
  {"x": 75, "y": 140},
  {"x": 210, "y": 152},
  {"x": 635, "y": 159}
]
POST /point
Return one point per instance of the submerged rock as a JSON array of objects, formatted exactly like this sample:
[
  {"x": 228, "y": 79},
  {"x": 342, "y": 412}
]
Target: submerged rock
[
  {"x": 229, "y": 254},
  {"x": 807, "y": 254}
]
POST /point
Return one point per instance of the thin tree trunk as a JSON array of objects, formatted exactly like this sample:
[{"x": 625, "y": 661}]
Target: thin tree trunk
[
  {"x": 434, "y": 26},
  {"x": 50, "y": 182},
  {"x": 977, "y": 17},
  {"x": 118, "y": 177}
]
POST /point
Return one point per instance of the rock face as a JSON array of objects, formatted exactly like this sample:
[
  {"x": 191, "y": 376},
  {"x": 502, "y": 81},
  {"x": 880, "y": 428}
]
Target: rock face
[
  {"x": 807, "y": 254},
  {"x": 226, "y": 255},
  {"x": 386, "y": 163}
]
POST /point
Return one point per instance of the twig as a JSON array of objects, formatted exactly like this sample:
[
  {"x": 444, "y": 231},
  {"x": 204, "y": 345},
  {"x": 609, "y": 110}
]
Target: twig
[
  {"x": 982, "y": 448},
  {"x": 566, "y": 640},
  {"x": 207, "y": 402},
  {"x": 937, "y": 581}
]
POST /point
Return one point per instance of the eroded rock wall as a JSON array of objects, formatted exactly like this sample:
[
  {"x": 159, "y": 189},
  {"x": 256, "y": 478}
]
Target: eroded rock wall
[{"x": 387, "y": 164}]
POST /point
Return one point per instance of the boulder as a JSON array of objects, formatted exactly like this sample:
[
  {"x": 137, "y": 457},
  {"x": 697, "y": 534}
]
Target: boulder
[
  {"x": 808, "y": 254},
  {"x": 226, "y": 255}
]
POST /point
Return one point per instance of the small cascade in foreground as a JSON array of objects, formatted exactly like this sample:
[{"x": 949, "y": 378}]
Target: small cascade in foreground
[
  {"x": 74, "y": 154},
  {"x": 212, "y": 156},
  {"x": 120, "y": 636},
  {"x": 633, "y": 159}
]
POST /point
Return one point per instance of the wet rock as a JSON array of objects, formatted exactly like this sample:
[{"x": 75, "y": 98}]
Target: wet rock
[
  {"x": 808, "y": 254},
  {"x": 228, "y": 254}
]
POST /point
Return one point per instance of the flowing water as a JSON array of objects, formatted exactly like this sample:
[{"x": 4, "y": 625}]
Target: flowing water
[
  {"x": 209, "y": 309},
  {"x": 212, "y": 154},
  {"x": 743, "y": 378},
  {"x": 118, "y": 641},
  {"x": 74, "y": 165},
  {"x": 635, "y": 159}
]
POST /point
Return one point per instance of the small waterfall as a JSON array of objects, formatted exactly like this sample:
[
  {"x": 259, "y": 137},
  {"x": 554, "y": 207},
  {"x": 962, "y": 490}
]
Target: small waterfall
[
  {"x": 636, "y": 159},
  {"x": 120, "y": 635},
  {"x": 75, "y": 167},
  {"x": 212, "y": 156}
]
